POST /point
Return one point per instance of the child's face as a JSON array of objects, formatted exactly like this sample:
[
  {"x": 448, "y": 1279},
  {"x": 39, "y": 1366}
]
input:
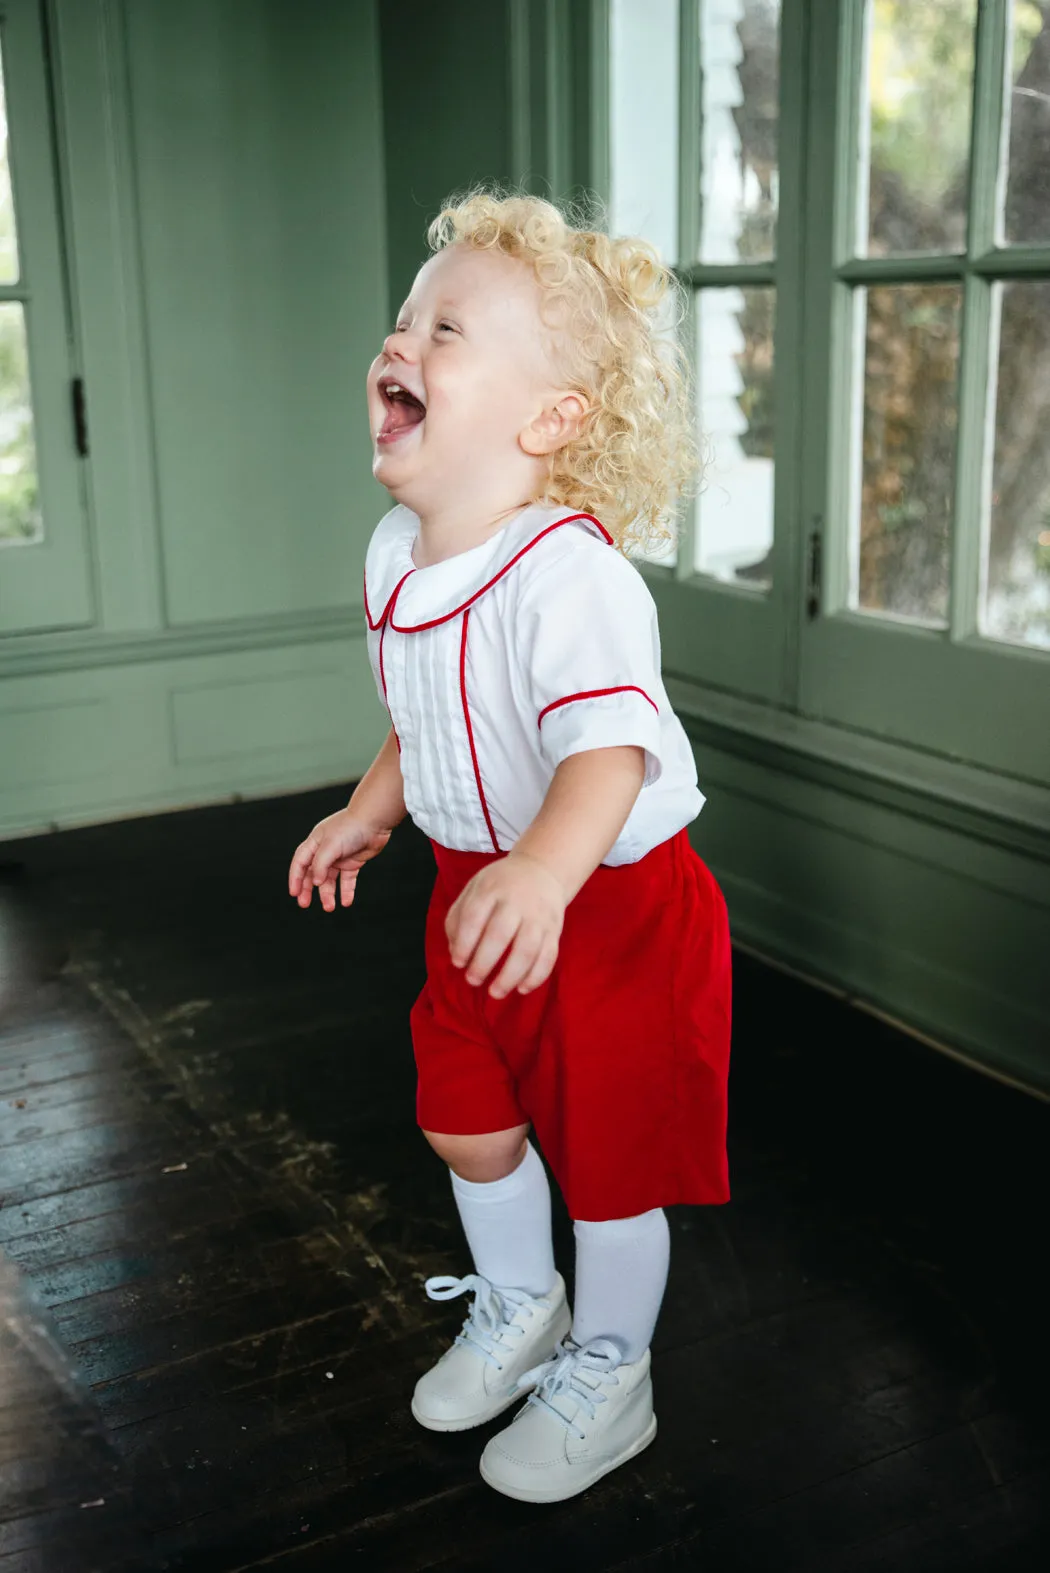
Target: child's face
[{"x": 458, "y": 381}]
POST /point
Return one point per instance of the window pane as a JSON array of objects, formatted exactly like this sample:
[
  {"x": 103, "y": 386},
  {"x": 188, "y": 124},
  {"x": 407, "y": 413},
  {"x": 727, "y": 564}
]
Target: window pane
[
  {"x": 1027, "y": 216},
  {"x": 643, "y": 122},
  {"x": 8, "y": 237},
  {"x": 740, "y": 65},
  {"x": 1017, "y": 594},
  {"x": 910, "y": 411},
  {"x": 19, "y": 502},
  {"x": 920, "y": 82},
  {"x": 734, "y": 535}
]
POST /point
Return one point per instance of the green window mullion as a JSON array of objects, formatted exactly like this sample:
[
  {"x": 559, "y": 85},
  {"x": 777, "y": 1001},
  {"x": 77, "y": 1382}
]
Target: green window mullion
[
  {"x": 719, "y": 275},
  {"x": 689, "y": 112},
  {"x": 690, "y": 99},
  {"x": 842, "y": 125},
  {"x": 847, "y": 126},
  {"x": 987, "y": 146},
  {"x": 973, "y": 452},
  {"x": 687, "y": 511},
  {"x": 1020, "y": 262},
  {"x": 596, "y": 169},
  {"x": 904, "y": 269},
  {"x": 845, "y": 405}
]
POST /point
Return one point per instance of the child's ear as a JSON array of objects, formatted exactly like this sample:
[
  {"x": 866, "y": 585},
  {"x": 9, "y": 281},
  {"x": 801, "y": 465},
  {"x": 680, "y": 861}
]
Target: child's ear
[{"x": 556, "y": 425}]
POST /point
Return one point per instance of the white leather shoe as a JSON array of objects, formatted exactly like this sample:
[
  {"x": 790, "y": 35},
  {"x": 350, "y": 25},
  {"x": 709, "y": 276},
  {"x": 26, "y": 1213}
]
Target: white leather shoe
[
  {"x": 590, "y": 1412},
  {"x": 506, "y": 1333}
]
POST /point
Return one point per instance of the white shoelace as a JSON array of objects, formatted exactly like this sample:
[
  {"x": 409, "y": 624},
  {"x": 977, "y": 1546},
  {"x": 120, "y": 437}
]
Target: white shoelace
[
  {"x": 575, "y": 1374},
  {"x": 489, "y": 1322}
]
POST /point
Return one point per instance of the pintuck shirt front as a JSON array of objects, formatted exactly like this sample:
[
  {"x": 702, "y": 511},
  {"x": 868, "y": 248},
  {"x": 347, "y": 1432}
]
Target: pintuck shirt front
[{"x": 500, "y": 662}]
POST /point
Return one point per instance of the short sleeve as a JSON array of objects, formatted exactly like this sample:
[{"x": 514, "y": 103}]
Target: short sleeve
[{"x": 591, "y": 652}]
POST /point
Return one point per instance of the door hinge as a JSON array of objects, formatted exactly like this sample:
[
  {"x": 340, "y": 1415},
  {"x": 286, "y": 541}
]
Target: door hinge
[
  {"x": 813, "y": 585},
  {"x": 80, "y": 431}
]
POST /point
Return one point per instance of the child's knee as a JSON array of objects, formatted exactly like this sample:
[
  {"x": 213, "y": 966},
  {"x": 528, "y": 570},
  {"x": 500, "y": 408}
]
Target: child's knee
[{"x": 481, "y": 1159}]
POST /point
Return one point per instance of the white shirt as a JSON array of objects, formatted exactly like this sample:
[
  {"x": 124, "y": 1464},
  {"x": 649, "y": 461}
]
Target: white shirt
[{"x": 500, "y": 662}]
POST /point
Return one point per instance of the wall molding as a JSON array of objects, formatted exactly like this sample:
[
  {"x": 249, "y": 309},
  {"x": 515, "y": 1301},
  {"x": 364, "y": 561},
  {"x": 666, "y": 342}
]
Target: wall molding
[
  {"x": 1004, "y": 811},
  {"x": 35, "y": 655},
  {"x": 930, "y": 1002},
  {"x": 284, "y": 782}
]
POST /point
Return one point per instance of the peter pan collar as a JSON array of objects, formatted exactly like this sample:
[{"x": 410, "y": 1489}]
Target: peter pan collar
[{"x": 417, "y": 598}]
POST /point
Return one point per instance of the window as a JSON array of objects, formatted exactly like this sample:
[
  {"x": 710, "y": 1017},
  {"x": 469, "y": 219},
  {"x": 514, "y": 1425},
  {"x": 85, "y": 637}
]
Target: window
[
  {"x": 862, "y": 216},
  {"x": 19, "y": 493},
  {"x": 45, "y": 564},
  {"x": 696, "y": 94},
  {"x": 916, "y": 135},
  {"x": 926, "y": 278},
  {"x": 726, "y": 231}
]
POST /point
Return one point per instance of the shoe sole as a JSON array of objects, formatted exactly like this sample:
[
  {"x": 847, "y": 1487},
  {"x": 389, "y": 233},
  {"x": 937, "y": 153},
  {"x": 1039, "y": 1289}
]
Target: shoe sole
[{"x": 577, "y": 1487}]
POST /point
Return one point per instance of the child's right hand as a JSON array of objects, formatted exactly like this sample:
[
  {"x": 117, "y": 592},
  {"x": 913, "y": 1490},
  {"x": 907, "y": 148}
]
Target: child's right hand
[{"x": 334, "y": 852}]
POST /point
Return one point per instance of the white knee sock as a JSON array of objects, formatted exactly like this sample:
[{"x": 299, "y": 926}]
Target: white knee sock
[
  {"x": 621, "y": 1273},
  {"x": 508, "y": 1226}
]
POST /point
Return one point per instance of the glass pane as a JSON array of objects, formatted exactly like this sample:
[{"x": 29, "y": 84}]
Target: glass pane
[
  {"x": 8, "y": 237},
  {"x": 643, "y": 122},
  {"x": 740, "y": 66},
  {"x": 734, "y": 536},
  {"x": 1027, "y": 216},
  {"x": 920, "y": 84},
  {"x": 19, "y": 501},
  {"x": 1017, "y": 562},
  {"x": 910, "y": 411}
]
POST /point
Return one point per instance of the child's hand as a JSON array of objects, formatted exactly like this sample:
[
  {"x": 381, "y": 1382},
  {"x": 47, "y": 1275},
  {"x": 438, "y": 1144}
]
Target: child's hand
[
  {"x": 334, "y": 851},
  {"x": 516, "y": 902}
]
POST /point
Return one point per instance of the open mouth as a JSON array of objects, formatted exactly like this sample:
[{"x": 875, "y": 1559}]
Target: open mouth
[{"x": 403, "y": 410}]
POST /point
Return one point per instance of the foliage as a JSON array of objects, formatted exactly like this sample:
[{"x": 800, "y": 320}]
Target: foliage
[{"x": 19, "y": 500}]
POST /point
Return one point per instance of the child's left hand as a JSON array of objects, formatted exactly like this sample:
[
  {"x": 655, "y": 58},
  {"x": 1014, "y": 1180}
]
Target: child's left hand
[{"x": 516, "y": 902}]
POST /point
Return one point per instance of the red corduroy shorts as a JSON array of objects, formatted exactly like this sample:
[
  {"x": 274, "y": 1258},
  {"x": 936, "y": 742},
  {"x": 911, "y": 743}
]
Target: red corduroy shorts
[{"x": 619, "y": 1061}]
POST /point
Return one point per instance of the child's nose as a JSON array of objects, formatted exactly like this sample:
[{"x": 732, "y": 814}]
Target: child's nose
[{"x": 401, "y": 346}]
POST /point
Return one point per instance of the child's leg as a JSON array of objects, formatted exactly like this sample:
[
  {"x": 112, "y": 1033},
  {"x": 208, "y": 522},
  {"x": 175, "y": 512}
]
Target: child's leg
[
  {"x": 621, "y": 1274},
  {"x": 593, "y": 1407},
  {"x": 518, "y": 1314},
  {"x": 504, "y": 1204}
]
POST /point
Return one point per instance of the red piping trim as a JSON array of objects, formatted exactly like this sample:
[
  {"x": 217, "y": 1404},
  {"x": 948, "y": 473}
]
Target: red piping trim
[
  {"x": 597, "y": 693},
  {"x": 373, "y": 625},
  {"x": 470, "y": 729},
  {"x": 417, "y": 628}
]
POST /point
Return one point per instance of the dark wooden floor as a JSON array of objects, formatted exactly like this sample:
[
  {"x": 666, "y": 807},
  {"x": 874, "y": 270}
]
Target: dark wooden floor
[{"x": 217, "y": 1216}]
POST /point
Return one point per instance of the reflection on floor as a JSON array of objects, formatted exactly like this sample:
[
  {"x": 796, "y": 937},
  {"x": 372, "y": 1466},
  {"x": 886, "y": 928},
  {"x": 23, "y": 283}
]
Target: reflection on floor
[{"x": 217, "y": 1215}]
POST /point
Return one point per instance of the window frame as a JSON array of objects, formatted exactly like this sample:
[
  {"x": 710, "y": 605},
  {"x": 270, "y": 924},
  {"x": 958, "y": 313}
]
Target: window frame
[
  {"x": 953, "y": 691},
  {"x": 47, "y": 584},
  {"x": 953, "y": 694},
  {"x": 735, "y": 637}
]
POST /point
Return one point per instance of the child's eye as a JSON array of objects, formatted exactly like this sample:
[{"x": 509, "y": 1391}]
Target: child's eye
[{"x": 446, "y": 327}]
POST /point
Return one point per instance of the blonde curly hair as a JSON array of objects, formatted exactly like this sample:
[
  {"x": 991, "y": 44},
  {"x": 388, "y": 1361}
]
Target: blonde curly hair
[{"x": 636, "y": 450}]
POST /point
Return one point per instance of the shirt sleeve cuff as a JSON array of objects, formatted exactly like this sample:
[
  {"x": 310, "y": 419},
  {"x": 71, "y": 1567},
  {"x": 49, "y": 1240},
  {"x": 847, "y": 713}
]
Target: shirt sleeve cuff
[{"x": 617, "y": 720}]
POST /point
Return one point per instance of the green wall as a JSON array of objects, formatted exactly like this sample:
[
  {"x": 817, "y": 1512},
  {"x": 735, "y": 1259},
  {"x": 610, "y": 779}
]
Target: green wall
[
  {"x": 222, "y": 180},
  {"x": 485, "y": 90},
  {"x": 446, "y": 115}
]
